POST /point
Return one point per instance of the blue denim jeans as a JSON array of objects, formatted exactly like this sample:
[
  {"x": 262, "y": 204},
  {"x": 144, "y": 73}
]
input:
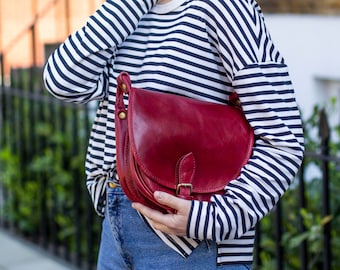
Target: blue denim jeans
[{"x": 128, "y": 243}]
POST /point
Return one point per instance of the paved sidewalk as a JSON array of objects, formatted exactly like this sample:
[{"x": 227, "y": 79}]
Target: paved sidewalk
[{"x": 17, "y": 254}]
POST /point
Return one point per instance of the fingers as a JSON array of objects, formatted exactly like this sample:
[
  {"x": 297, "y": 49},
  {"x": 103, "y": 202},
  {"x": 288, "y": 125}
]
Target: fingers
[
  {"x": 168, "y": 223},
  {"x": 152, "y": 214},
  {"x": 158, "y": 220},
  {"x": 169, "y": 200}
]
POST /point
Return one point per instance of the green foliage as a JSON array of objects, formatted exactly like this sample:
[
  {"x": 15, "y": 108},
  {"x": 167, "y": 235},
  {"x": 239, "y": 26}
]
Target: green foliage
[
  {"x": 9, "y": 173},
  {"x": 42, "y": 170},
  {"x": 313, "y": 220}
]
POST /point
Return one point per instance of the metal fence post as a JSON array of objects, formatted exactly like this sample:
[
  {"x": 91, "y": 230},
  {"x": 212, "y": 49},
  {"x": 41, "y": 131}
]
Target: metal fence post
[
  {"x": 278, "y": 237},
  {"x": 324, "y": 132},
  {"x": 2, "y": 135},
  {"x": 302, "y": 227},
  {"x": 2, "y": 96}
]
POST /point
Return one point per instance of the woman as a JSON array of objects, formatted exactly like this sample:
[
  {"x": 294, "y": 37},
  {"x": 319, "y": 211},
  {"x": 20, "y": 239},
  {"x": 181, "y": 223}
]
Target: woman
[{"x": 205, "y": 49}]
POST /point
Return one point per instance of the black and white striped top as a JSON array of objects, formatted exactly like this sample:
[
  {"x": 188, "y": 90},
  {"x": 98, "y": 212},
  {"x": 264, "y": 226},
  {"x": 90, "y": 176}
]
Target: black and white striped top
[{"x": 205, "y": 49}]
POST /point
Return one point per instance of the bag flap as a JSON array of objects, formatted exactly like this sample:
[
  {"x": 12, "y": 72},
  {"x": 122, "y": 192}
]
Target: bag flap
[{"x": 164, "y": 128}]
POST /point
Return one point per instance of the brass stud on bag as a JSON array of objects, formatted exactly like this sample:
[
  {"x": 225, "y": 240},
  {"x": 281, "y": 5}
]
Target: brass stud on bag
[
  {"x": 124, "y": 87},
  {"x": 122, "y": 115}
]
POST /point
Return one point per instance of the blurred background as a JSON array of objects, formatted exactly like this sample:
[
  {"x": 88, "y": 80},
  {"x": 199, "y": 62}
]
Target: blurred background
[{"x": 43, "y": 198}]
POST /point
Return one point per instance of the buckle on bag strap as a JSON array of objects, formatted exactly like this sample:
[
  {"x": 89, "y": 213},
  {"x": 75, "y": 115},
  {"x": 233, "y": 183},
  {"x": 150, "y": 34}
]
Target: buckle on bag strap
[
  {"x": 184, "y": 185},
  {"x": 185, "y": 172}
]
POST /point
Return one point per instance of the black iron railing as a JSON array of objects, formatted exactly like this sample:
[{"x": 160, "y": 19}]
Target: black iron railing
[{"x": 45, "y": 199}]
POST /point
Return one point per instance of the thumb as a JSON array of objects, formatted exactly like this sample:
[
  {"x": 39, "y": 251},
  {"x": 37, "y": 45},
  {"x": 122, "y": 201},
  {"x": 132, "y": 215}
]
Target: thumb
[{"x": 168, "y": 200}]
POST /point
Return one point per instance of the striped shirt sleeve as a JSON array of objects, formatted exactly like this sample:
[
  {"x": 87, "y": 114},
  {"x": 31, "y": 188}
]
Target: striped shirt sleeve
[
  {"x": 77, "y": 71},
  {"x": 261, "y": 79}
]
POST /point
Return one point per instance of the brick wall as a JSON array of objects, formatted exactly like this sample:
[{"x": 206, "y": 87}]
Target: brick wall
[{"x": 26, "y": 26}]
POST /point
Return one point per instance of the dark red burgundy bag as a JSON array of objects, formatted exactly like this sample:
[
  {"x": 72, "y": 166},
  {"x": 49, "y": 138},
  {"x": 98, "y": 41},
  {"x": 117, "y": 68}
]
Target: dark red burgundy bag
[{"x": 189, "y": 148}]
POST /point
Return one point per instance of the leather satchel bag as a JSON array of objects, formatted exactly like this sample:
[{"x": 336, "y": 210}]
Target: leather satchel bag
[{"x": 189, "y": 148}]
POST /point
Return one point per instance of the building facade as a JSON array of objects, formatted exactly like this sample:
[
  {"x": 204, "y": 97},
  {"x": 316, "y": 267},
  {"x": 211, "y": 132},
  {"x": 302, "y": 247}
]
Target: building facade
[{"x": 30, "y": 29}]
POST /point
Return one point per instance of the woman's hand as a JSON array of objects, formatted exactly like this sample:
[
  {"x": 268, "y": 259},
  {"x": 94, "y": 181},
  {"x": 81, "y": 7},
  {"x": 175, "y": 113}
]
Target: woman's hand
[{"x": 175, "y": 224}]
